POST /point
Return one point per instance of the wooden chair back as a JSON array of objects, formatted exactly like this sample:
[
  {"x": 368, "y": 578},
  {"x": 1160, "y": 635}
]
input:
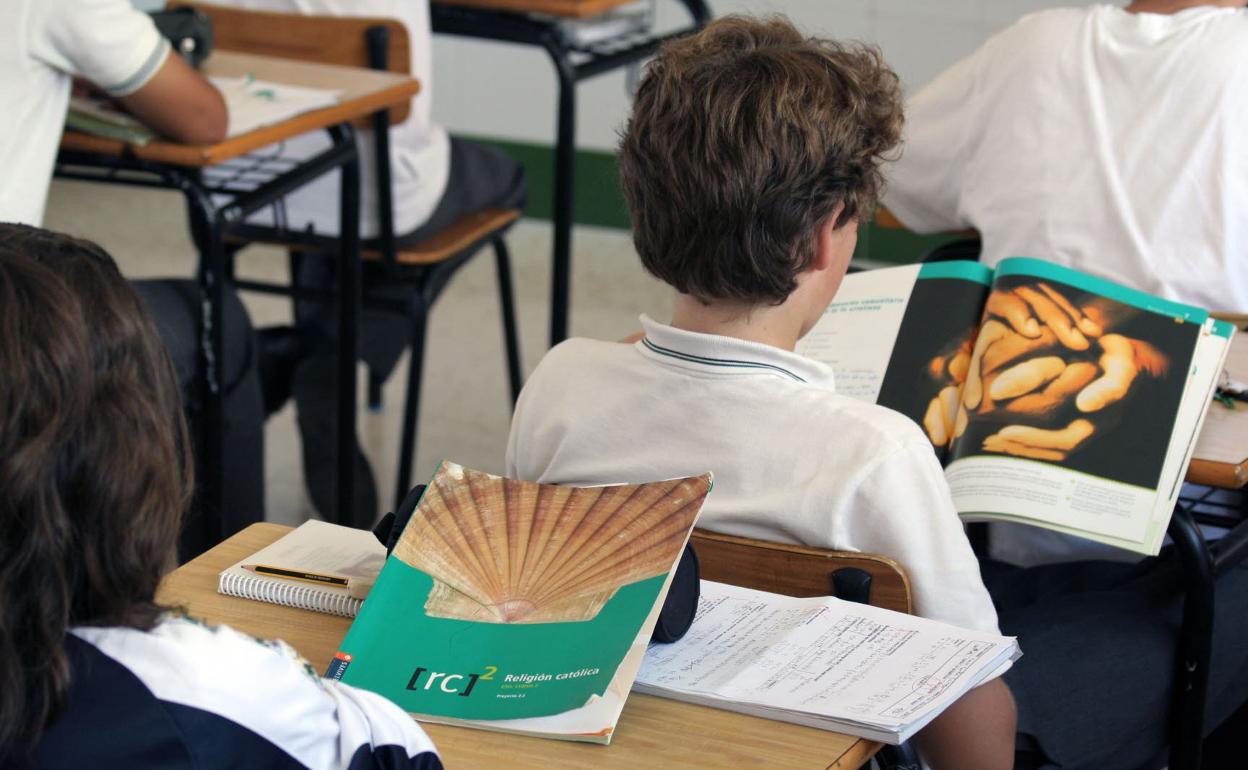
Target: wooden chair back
[
  {"x": 337, "y": 40},
  {"x": 796, "y": 570}
]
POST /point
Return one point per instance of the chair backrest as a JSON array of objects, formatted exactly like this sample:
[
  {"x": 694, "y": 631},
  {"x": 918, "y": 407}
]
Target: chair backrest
[
  {"x": 340, "y": 40},
  {"x": 796, "y": 570}
]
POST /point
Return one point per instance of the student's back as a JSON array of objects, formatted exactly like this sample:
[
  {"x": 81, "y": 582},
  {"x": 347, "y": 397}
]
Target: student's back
[
  {"x": 750, "y": 155},
  {"x": 1112, "y": 140},
  {"x": 793, "y": 460},
  {"x": 96, "y": 475}
]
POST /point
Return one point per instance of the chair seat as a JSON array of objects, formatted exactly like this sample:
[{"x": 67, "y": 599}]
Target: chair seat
[
  {"x": 469, "y": 229},
  {"x": 459, "y": 235}
]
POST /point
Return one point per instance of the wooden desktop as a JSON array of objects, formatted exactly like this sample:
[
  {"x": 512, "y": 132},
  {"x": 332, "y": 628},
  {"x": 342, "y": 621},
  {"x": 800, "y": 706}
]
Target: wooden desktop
[{"x": 652, "y": 732}]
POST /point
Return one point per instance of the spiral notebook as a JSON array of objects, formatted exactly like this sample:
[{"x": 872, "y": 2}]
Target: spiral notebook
[{"x": 314, "y": 547}]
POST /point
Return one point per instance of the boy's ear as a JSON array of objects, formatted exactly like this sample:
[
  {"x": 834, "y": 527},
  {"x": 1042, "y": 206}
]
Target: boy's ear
[{"x": 829, "y": 241}]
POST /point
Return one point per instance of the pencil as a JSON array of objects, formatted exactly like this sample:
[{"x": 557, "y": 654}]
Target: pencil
[{"x": 297, "y": 574}]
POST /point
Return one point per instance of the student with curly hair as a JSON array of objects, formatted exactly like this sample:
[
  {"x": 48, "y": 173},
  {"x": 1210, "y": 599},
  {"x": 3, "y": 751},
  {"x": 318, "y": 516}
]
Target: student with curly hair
[{"x": 751, "y": 155}]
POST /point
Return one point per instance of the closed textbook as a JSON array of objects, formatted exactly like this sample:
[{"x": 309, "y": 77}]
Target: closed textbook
[
  {"x": 522, "y": 607},
  {"x": 316, "y": 547}
]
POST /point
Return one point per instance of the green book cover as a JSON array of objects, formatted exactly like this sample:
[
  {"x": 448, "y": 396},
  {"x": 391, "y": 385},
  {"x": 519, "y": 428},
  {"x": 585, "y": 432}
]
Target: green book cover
[{"x": 520, "y": 606}]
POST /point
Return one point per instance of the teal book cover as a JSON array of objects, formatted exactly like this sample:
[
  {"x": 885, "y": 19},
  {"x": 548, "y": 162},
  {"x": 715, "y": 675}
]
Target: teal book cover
[{"x": 520, "y": 606}]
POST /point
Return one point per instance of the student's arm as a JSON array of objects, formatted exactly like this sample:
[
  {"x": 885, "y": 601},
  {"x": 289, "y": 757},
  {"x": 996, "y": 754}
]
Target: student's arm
[
  {"x": 179, "y": 103},
  {"x": 120, "y": 51},
  {"x": 975, "y": 733}
]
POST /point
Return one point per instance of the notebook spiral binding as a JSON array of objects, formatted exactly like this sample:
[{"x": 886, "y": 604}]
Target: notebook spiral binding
[{"x": 288, "y": 594}]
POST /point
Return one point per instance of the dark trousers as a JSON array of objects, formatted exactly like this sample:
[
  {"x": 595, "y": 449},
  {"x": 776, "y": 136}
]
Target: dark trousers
[
  {"x": 480, "y": 177},
  {"x": 1099, "y": 641},
  {"x": 175, "y": 307}
]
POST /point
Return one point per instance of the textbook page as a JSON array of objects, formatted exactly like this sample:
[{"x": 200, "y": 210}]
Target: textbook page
[
  {"x": 1085, "y": 425},
  {"x": 893, "y": 336},
  {"x": 822, "y": 662}
]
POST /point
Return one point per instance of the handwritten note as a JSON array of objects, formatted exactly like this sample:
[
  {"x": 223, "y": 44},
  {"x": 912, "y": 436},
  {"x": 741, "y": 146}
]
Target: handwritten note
[{"x": 822, "y": 656}]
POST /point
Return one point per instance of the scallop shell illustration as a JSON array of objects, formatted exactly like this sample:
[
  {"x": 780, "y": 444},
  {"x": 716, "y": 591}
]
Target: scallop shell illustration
[{"x": 507, "y": 551}]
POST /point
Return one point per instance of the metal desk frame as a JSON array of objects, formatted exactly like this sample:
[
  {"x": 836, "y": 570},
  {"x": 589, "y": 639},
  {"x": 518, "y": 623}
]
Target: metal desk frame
[
  {"x": 1202, "y": 565},
  {"x": 209, "y": 222},
  {"x": 572, "y": 65}
]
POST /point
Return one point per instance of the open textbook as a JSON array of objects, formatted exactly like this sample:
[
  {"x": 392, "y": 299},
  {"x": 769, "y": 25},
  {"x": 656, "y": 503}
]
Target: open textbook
[
  {"x": 523, "y": 607},
  {"x": 1053, "y": 398},
  {"x": 821, "y": 662}
]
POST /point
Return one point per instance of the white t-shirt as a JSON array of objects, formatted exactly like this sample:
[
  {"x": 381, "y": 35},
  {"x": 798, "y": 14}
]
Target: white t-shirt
[
  {"x": 43, "y": 43},
  {"x": 1113, "y": 142},
  {"x": 419, "y": 148},
  {"x": 793, "y": 460}
]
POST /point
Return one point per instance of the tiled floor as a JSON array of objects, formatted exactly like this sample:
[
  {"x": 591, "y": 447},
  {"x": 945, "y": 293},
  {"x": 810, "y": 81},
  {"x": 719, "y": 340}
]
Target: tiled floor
[{"x": 465, "y": 411}]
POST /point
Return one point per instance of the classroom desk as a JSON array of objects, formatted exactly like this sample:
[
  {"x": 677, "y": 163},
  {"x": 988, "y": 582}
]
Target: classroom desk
[
  {"x": 652, "y": 732},
  {"x": 213, "y": 207},
  {"x": 511, "y": 21},
  {"x": 1220, "y": 458}
]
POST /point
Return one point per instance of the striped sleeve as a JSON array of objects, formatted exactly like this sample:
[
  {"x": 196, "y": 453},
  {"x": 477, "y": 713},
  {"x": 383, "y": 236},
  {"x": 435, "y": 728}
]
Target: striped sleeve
[
  {"x": 108, "y": 42},
  {"x": 231, "y": 694}
]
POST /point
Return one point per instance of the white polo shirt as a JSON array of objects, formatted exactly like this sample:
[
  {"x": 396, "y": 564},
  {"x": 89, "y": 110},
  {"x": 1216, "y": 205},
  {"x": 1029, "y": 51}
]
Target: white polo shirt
[
  {"x": 1112, "y": 142},
  {"x": 793, "y": 461},
  {"x": 420, "y": 154},
  {"x": 209, "y": 696},
  {"x": 43, "y": 44}
]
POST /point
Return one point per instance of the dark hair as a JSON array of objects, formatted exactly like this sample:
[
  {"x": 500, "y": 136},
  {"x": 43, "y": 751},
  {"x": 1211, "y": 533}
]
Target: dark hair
[
  {"x": 95, "y": 471},
  {"x": 743, "y": 140}
]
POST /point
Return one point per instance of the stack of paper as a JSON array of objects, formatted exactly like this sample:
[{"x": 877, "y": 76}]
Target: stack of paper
[
  {"x": 100, "y": 118},
  {"x": 822, "y": 662}
]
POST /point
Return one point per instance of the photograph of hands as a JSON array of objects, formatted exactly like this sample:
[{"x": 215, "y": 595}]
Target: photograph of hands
[{"x": 1050, "y": 372}]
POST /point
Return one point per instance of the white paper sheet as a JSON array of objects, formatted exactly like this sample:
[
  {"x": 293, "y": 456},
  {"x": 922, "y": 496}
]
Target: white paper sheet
[
  {"x": 256, "y": 103},
  {"x": 848, "y": 662}
]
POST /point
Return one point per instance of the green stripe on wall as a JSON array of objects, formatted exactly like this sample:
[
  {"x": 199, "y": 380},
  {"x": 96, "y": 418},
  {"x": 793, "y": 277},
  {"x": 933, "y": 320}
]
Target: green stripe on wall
[{"x": 599, "y": 202}]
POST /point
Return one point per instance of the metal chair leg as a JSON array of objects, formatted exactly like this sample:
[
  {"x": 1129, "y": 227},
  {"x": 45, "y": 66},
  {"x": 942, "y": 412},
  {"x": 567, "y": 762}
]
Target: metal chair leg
[
  {"x": 1191, "y": 682},
  {"x": 375, "y": 384},
  {"x": 418, "y": 314},
  {"x": 507, "y": 303}
]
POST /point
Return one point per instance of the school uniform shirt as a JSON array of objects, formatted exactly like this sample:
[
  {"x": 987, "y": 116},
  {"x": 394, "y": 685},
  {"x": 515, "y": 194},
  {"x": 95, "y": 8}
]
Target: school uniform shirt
[
  {"x": 1112, "y": 142},
  {"x": 187, "y": 695},
  {"x": 43, "y": 44},
  {"x": 420, "y": 149},
  {"x": 793, "y": 461}
]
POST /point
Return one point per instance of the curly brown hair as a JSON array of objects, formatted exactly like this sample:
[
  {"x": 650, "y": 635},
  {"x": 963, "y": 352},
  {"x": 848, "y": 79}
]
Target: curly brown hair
[
  {"x": 744, "y": 138},
  {"x": 95, "y": 468}
]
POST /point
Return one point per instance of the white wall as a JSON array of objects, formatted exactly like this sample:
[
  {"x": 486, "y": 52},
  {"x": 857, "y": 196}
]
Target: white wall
[{"x": 507, "y": 91}]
